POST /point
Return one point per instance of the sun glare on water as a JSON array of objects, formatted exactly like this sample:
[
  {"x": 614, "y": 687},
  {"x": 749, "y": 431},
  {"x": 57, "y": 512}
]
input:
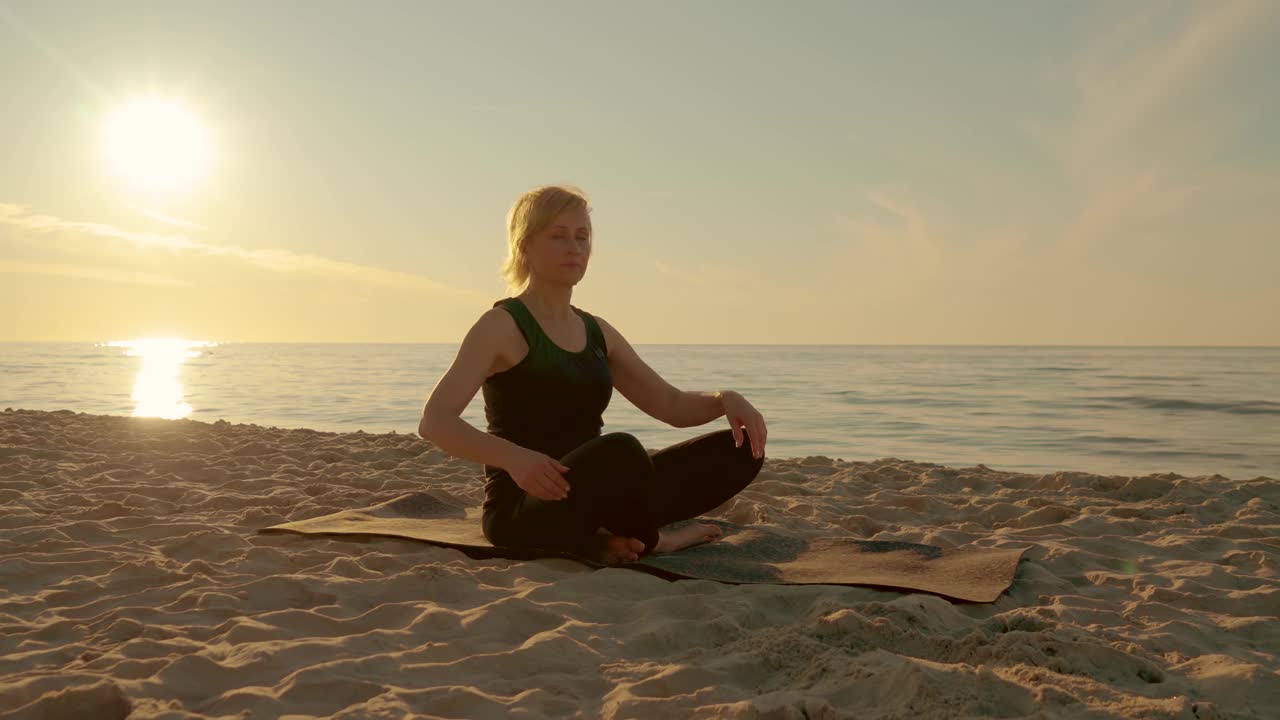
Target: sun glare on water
[
  {"x": 155, "y": 146},
  {"x": 157, "y": 390}
]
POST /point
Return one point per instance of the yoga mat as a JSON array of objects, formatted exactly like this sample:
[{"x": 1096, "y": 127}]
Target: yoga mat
[{"x": 743, "y": 554}]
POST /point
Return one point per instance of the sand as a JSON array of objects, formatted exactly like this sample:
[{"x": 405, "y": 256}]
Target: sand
[{"x": 133, "y": 583}]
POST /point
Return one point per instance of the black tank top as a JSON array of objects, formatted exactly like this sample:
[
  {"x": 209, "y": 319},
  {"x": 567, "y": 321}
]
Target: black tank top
[{"x": 552, "y": 401}]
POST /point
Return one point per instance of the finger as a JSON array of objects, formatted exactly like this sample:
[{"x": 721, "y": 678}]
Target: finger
[
  {"x": 540, "y": 490},
  {"x": 557, "y": 483},
  {"x": 536, "y": 488},
  {"x": 554, "y": 492},
  {"x": 737, "y": 433},
  {"x": 560, "y": 482}
]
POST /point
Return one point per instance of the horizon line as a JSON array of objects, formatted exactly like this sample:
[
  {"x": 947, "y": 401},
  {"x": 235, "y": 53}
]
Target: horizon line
[{"x": 425, "y": 342}]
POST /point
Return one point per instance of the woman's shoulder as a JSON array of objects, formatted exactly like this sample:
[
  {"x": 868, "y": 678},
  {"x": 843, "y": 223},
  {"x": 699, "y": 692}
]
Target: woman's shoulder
[
  {"x": 496, "y": 326},
  {"x": 500, "y": 317},
  {"x": 503, "y": 335},
  {"x": 608, "y": 334}
]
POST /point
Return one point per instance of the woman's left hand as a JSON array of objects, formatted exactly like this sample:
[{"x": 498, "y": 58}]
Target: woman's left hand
[{"x": 742, "y": 416}]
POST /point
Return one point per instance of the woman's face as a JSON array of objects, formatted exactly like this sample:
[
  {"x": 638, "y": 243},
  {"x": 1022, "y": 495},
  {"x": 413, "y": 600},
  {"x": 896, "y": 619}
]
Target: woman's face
[{"x": 560, "y": 252}]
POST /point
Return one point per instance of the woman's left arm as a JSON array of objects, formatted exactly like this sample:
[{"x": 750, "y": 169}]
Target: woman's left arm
[
  {"x": 679, "y": 408},
  {"x": 693, "y": 408}
]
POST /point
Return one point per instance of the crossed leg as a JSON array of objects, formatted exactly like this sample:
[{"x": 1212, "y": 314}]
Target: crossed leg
[{"x": 617, "y": 486}]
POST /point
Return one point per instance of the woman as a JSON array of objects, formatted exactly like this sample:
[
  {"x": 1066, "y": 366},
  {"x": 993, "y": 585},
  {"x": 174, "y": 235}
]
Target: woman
[{"x": 548, "y": 370}]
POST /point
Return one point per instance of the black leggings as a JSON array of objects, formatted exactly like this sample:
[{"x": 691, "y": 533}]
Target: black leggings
[{"x": 616, "y": 484}]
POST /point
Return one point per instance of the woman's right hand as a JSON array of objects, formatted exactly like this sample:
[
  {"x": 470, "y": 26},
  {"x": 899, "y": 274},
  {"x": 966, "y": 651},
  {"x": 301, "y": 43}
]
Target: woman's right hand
[{"x": 539, "y": 475}]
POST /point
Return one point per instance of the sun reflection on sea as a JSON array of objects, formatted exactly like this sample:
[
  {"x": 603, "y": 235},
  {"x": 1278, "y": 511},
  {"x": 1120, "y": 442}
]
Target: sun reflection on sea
[{"x": 156, "y": 389}]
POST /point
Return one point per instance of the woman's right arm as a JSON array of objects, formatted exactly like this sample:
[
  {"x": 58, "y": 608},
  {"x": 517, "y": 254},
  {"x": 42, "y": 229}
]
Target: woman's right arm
[
  {"x": 441, "y": 421},
  {"x": 536, "y": 473}
]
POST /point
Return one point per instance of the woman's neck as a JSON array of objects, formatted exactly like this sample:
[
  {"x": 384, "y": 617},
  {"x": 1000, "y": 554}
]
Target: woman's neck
[{"x": 551, "y": 305}]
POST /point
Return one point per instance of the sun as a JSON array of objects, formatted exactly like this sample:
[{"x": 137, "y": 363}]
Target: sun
[{"x": 157, "y": 147}]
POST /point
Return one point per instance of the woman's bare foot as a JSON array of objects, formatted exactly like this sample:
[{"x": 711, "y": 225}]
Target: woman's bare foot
[
  {"x": 613, "y": 549},
  {"x": 691, "y": 534}
]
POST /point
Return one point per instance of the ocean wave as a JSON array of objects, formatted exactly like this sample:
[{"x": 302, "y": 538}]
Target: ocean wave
[
  {"x": 1173, "y": 454},
  {"x": 1248, "y": 407},
  {"x": 1115, "y": 440}
]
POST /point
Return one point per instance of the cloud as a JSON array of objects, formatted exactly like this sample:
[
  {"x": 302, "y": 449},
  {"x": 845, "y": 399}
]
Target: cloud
[
  {"x": 1132, "y": 71},
  {"x": 131, "y": 277},
  {"x": 890, "y": 256},
  {"x": 677, "y": 273},
  {"x": 42, "y": 227},
  {"x": 726, "y": 280},
  {"x": 1139, "y": 141},
  {"x": 158, "y": 217}
]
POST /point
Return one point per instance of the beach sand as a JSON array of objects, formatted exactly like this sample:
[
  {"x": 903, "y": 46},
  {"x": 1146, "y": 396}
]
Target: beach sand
[{"x": 133, "y": 583}]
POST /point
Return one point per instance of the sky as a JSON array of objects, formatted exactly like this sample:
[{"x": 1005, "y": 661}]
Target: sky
[{"x": 978, "y": 173}]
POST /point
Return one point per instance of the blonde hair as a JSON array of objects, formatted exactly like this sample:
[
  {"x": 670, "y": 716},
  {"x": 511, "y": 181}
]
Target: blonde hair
[{"x": 533, "y": 212}]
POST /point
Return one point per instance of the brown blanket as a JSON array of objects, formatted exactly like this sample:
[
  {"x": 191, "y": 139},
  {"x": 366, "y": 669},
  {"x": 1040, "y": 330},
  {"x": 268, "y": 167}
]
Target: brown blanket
[{"x": 743, "y": 554}]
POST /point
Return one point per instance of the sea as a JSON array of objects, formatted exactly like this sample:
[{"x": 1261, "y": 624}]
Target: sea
[{"x": 1124, "y": 411}]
